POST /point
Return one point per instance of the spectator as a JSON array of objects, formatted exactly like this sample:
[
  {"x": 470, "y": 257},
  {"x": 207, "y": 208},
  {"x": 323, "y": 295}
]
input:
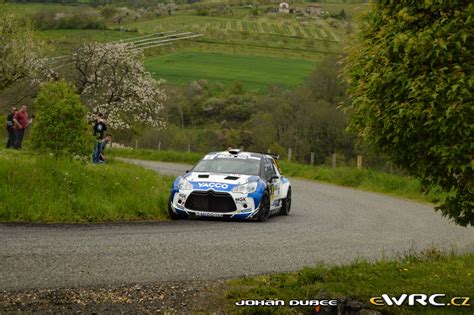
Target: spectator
[
  {"x": 99, "y": 127},
  {"x": 20, "y": 123},
  {"x": 11, "y": 129},
  {"x": 98, "y": 155}
]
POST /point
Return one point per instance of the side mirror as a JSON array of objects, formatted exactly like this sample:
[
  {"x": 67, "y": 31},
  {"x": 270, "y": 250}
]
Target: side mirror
[
  {"x": 274, "y": 177},
  {"x": 187, "y": 171}
]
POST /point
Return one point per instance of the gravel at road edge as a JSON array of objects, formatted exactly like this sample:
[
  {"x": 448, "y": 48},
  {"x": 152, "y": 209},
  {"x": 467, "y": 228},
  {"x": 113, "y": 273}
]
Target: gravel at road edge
[{"x": 174, "y": 297}]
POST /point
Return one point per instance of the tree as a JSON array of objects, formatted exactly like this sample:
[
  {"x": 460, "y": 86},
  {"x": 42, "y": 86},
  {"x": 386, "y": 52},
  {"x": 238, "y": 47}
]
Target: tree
[
  {"x": 60, "y": 126},
  {"x": 410, "y": 77},
  {"x": 20, "y": 52},
  {"x": 112, "y": 79}
]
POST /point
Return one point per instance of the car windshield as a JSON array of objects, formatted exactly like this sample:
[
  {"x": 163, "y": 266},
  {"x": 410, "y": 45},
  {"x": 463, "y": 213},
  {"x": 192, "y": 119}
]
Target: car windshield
[{"x": 229, "y": 165}]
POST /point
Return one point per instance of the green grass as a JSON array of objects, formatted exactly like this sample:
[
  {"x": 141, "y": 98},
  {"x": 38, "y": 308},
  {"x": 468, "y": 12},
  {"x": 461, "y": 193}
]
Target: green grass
[
  {"x": 365, "y": 179},
  {"x": 155, "y": 155},
  {"x": 429, "y": 272},
  {"x": 40, "y": 188},
  {"x": 254, "y": 72}
]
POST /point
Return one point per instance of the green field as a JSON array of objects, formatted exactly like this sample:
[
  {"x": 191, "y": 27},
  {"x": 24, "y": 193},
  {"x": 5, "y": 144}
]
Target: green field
[{"x": 253, "y": 72}]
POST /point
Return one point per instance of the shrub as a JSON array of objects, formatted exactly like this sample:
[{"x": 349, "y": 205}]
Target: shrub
[
  {"x": 60, "y": 125},
  {"x": 410, "y": 81}
]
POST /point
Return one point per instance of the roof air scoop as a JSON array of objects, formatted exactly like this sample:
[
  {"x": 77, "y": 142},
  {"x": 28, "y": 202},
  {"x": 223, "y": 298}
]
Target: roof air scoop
[{"x": 233, "y": 151}]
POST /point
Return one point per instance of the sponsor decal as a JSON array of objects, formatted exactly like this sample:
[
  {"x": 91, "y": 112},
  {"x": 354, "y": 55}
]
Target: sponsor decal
[
  {"x": 241, "y": 199},
  {"x": 420, "y": 299},
  {"x": 209, "y": 214},
  {"x": 213, "y": 185}
]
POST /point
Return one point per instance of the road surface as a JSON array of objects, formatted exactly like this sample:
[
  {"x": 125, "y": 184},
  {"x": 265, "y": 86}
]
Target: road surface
[{"x": 327, "y": 224}]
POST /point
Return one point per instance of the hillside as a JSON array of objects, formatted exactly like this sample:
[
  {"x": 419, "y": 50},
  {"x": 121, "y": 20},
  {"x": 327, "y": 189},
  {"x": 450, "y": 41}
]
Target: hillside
[{"x": 244, "y": 30}]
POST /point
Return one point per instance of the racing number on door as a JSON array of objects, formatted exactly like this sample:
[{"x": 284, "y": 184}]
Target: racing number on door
[{"x": 269, "y": 169}]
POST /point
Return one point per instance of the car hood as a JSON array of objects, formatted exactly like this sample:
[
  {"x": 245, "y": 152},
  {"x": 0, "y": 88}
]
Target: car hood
[{"x": 229, "y": 179}]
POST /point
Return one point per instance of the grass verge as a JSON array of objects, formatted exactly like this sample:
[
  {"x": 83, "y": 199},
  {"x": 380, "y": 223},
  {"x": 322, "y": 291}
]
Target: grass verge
[
  {"x": 429, "y": 272},
  {"x": 40, "y": 188},
  {"x": 155, "y": 155},
  {"x": 365, "y": 179}
]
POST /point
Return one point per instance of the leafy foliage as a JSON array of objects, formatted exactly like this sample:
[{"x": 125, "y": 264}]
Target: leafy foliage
[
  {"x": 19, "y": 50},
  {"x": 411, "y": 82},
  {"x": 60, "y": 125}
]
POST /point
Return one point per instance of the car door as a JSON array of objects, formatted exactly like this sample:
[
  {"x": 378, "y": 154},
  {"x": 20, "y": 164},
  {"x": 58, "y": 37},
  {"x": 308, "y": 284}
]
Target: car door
[{"x": 274, "y": 184}]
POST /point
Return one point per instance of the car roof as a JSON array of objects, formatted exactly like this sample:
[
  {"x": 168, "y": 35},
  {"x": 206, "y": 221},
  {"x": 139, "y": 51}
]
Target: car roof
[{"x": 236, "y": 154}]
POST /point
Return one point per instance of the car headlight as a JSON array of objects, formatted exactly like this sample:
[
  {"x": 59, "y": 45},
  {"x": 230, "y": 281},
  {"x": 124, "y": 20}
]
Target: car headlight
[
  {"x": 183, "y": 184},
  {"x": 245, "y": 188}
]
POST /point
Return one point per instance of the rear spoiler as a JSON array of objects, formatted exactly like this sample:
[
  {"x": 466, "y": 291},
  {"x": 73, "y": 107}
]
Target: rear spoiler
[{"x": 273, "y": 155}]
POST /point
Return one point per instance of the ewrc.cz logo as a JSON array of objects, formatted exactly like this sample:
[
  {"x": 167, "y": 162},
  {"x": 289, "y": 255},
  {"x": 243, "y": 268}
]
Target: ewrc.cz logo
[
  {"x": 420, "y": 299},
  {"x": 213, "y": 185}
]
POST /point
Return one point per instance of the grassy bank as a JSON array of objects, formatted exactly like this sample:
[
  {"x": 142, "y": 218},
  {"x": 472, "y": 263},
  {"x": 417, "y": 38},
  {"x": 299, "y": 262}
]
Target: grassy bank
[
  {"x": 39, "y": 188},
  {"x": 365, "y": 179},
  {"x": 429, "y": 272},
  {"x": 155, "y": 155}
]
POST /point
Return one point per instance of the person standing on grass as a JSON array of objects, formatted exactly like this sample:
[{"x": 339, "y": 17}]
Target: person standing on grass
[
  {"x": 100, "y": 127},
  {"x": 98, "y": 155},
  {"x": 20, "y": 123},
  {"x": 10, "y": 128}
]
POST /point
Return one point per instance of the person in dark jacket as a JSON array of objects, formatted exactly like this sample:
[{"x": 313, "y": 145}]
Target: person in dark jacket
[
  {"x": 100, "y": 127},
  {"x": 98, "y": 155},
  {"x": 10, "y": 128}
]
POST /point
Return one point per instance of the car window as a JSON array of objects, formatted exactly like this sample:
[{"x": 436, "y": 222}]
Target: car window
[
  {"x": 231, "y": 166},
  {"x": 268, "y": 169}
]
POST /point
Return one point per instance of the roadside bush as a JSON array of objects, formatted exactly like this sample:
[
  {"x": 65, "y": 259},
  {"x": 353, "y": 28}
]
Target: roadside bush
[{"x": 60, "y": 125}]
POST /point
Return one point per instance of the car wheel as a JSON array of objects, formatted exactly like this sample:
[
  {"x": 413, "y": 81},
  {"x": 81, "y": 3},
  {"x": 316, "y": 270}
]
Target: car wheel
[
  {"x": 264, "y": 211},
  {"x": 286, "y": 204}
]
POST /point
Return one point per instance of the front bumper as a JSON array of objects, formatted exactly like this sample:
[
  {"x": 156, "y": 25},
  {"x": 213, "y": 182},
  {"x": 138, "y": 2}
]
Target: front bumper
[{"x": 214, "y": 204}]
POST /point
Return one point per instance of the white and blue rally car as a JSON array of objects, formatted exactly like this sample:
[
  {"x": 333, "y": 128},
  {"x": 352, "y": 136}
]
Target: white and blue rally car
[{"x": 231, "y": 184}]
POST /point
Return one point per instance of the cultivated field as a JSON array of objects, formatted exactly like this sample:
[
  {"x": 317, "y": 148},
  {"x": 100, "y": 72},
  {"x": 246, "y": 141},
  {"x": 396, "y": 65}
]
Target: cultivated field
[{"x": 254, "y": 72}]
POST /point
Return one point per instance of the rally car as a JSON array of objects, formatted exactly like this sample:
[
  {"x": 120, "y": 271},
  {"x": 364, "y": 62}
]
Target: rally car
[{"x": 231, "y": 184}]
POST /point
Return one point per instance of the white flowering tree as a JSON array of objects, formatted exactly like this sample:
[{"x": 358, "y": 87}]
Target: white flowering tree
[
  {"x": 20, "y": 52},
  {"x": 112, "y": 79}
]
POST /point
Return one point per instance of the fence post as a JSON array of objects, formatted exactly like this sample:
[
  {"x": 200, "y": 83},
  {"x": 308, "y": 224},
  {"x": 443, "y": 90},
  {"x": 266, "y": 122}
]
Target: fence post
[
  {"x": 289, "y": 155},
  {"x": 334, "y": 160},
  {"x": 159, "y": 146},
  {"x": 136, "y": 144},
  {"x": 189, "y": 147},
  {"x": 312, "y": 158},
  {"x": 359, "y": 162},
  {"x": 391, "y": 168},
  {"x": 268, "y": 151}
]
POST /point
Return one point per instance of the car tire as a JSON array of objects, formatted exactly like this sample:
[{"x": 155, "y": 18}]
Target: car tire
[
  {"x": 286, "y": 204},
  {"x": 264, "y": 213}
]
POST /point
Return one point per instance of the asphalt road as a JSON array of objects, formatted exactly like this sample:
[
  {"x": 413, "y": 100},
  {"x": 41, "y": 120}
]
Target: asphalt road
[{"x": 327, "y": 223}]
